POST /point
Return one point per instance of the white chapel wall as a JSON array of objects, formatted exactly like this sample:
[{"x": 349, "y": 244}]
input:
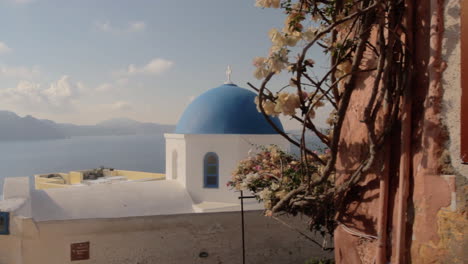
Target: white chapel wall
[
  {"x": 225, "y": 146},
  {"x": 176, "y": 148},
  {"x": 230, "y": 150}
]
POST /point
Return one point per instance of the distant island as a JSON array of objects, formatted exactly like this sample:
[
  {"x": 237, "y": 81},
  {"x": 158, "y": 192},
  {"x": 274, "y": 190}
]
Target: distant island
[{"x": 16, "y": 128}]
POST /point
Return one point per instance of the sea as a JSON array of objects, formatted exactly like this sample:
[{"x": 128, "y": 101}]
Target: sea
[
  {"x": 129, "y": 152},
  {"x": 135, "y": 152}
]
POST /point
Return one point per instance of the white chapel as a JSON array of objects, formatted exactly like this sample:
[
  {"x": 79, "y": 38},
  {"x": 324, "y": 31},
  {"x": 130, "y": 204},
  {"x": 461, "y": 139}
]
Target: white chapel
[{"x": 215, "y": 132}]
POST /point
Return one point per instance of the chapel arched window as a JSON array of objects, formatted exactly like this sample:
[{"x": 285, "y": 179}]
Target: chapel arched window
[{"x": 211, "y": 170}]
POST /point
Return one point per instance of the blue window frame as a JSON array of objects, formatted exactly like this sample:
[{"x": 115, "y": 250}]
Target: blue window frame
[
  {"x": 4, "y": 223},
  {"x": 211, "y": 170}
]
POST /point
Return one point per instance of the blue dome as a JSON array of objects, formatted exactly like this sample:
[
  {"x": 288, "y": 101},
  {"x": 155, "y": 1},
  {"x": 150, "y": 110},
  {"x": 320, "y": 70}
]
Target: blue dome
[{"x": 227, "y": 109}]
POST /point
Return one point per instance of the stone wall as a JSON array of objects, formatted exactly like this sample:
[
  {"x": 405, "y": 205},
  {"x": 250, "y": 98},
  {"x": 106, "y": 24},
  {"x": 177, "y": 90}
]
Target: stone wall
[
  {"x": 437, "y": 213},
  {"x": 159, "y": 239}
]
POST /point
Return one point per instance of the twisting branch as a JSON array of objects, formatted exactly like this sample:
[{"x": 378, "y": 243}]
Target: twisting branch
[
  {"x": 308, "y": 185},
  {"x": 268, "y": 118}
]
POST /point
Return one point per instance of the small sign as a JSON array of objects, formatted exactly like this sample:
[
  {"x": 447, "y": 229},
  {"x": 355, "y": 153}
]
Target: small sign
[
  {"x": 4, "y": 223},
  {"x": 79, "y": 251}
]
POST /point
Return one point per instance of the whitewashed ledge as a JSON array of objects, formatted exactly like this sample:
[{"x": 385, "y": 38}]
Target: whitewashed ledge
[
  {"x": 207, "y": 207},
  {"x": 16, "y": 187},
  {"x": 12, "y": 204},
  {"x": 16, "y": 196}
]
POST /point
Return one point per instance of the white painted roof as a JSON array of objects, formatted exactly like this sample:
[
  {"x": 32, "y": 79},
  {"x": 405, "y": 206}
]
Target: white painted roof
[
  {"x": 125, "y": 199},
  {"x": 227, "y": 207},
  {"x": 12, "y": 204},
  {"x": 15, "y": 187}
]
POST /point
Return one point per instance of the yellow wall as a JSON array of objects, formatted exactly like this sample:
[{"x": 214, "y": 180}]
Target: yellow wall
[
  {"x": 45, "y": 183},
  {"x": 76, "y": 177},
  {"x": 138, "y": 175}
]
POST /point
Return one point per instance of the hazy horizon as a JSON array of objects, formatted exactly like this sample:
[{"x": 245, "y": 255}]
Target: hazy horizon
[{"x": 97, "y": 122}]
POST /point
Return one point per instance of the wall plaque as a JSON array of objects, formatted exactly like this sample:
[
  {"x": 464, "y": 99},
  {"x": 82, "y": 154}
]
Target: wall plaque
[
  {"x": 79, "y": 251},
  {"x": 4, "y": 223}
]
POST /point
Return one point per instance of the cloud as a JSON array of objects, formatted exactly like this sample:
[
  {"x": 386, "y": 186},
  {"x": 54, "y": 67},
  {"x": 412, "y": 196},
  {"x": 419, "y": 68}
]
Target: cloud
[
  {"x": 25, "y": 92},
  {"x": 19, "y": 71},
  {"x": 20, "y": 2},
  {"x": 130, "y": 27},
  {"x": 137, "y": 26},
  {"x": 4, "y": 48},
  {"x": 29, "y": 95},
  {"x": 121, "y": 106},
  {"x": 104, "y": 26},
  {"x": 156, "y": 66},
  {"x": 61, "y": 91},
  {"x": 122, "y": 81},
  {"x": 105, "y": 87}
]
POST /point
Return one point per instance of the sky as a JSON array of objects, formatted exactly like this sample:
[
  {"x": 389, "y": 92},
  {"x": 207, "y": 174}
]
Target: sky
[{"x": 90, "y": 60}]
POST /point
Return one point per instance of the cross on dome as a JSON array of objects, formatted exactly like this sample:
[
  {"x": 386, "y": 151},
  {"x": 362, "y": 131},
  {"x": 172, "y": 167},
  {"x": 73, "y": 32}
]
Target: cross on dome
[{"x": 228, "y": 75}]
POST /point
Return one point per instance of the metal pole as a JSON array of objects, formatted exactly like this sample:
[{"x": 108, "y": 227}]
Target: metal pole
[
  {"x": 243, "y": 239},
  {"x": 242, "y": 197}
]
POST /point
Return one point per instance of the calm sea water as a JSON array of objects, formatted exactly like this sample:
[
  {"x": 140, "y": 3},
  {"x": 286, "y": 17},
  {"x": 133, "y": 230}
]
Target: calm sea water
[{"x": 26, "y": 158}]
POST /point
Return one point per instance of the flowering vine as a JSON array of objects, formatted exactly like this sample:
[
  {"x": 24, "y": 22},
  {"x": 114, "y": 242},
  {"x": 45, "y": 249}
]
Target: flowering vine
[
  {"x": 361, "y": 38},
  {"x": 270, "y": 174}
]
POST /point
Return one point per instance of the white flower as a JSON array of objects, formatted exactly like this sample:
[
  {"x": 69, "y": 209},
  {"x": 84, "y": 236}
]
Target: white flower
[
  {"x": 276, "y": 65},
  {"x": 277, "y": 38},
  {"x": 275, "y": 154},
  {"x": 331, "y": 118},
  {"x": 251, "y": 177},
  {"x": 268, "y": 3},
  {"x": 342, "y": 70},
  {"x": 287, "y": 103},
  {"x": 274, "y": 186},
  {"x": 260, "y": 73},
  {"x": 330, "y": 134},
  {"x": 293, "y": 20},
  {"x": 309, "y": 34},
  {"x": 244, "y": 186},
  {"x": 345, "y": 66},
  {"x": 248, "y": 180},
  {"x": 269, "y": 108},
  {"x": 259, "y": 61},
  {"x": 265, "y": 194},
  {"x": 281, "y": 194},
  {"x": 278, "y": 61},
  {"x": 275, "y": 3},
  {"x": 275, "y": 49},
  {"x": 318, "y": 104},
  {"x": 292, "y": 38}
]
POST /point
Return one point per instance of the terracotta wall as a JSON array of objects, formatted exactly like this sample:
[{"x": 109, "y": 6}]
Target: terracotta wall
[{"x": 436, "y": 219}]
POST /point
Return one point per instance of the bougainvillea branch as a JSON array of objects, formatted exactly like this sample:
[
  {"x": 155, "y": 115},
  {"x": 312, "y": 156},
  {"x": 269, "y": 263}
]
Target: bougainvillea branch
[{"x": 364, "y": 39}]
